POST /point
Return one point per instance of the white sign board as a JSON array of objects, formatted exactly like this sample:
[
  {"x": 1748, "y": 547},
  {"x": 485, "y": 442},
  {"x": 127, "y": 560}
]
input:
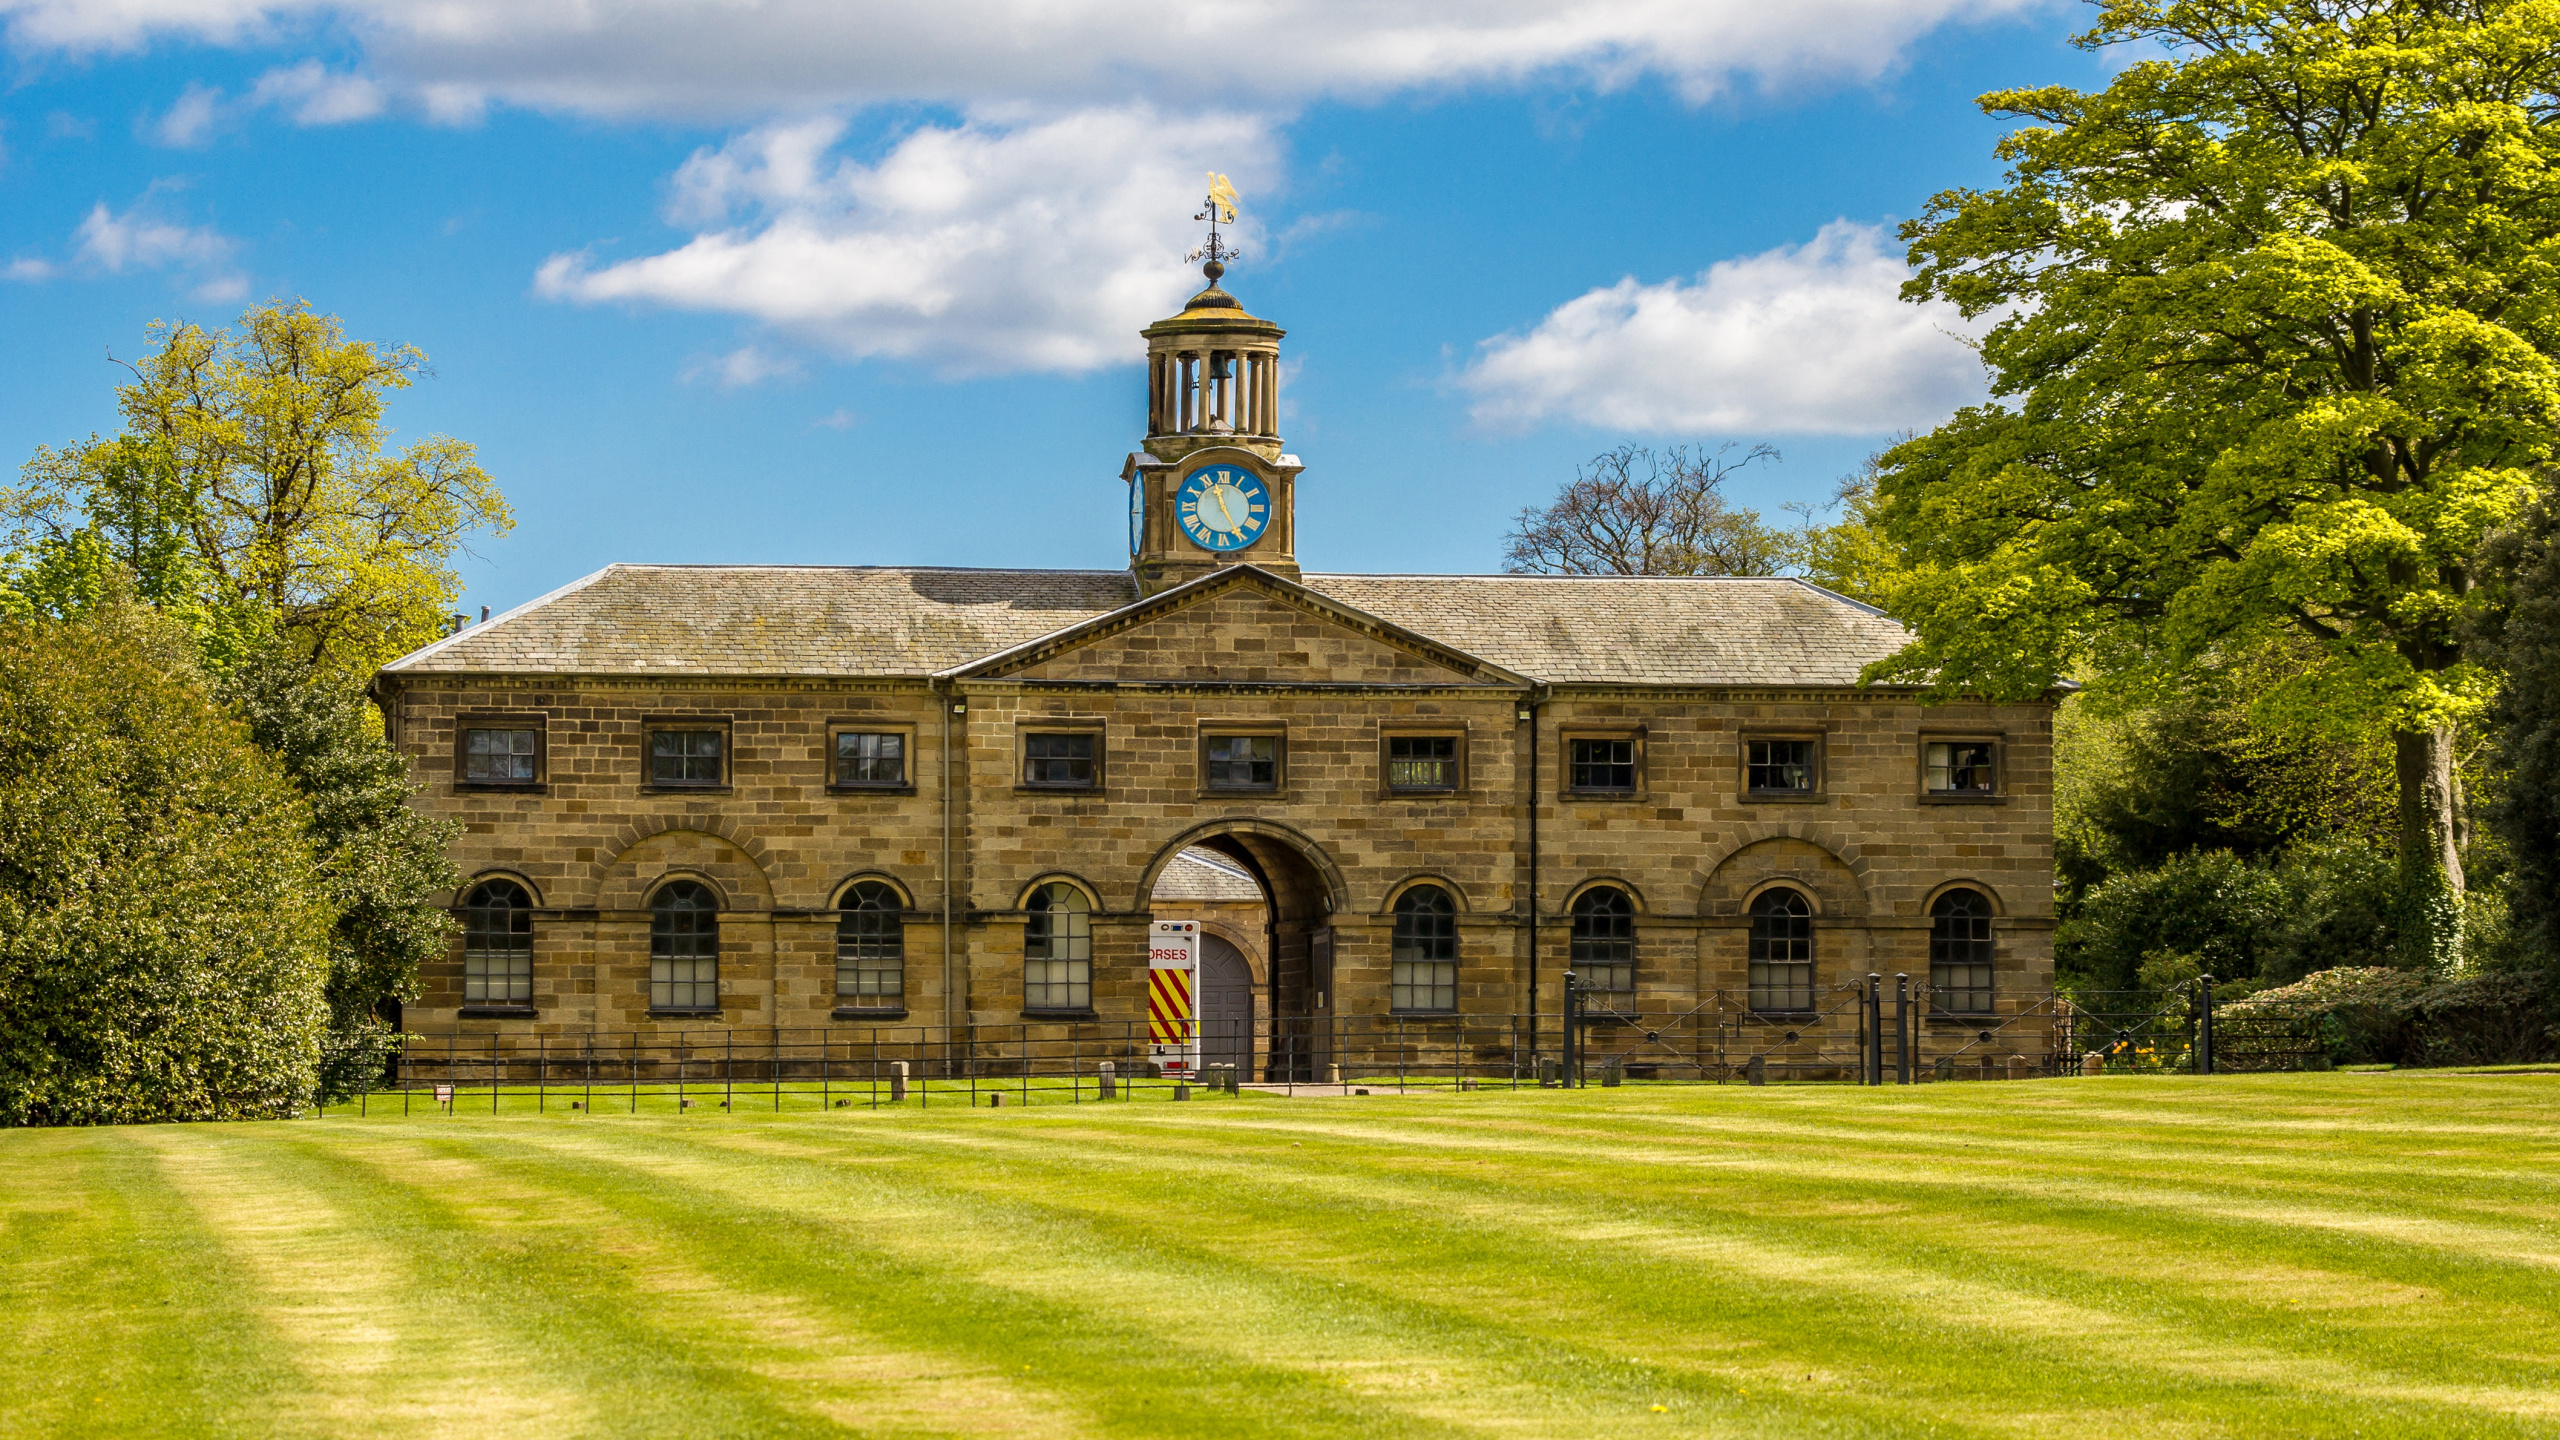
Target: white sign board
[{"x": 1173, "y": 996}]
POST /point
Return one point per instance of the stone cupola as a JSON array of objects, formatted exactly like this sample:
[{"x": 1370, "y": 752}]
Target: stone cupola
[{"x": 1213, "y": 398}]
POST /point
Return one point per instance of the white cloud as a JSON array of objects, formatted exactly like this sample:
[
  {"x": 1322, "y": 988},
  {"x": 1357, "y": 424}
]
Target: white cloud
[
  {"x": 976, "y": 248},
  {"x": 317, "y": 97},
  {"x": 1808, "y": 339},
  {"x": 191, "y": 121},
  {"x": 710, "y": 58},
  {"x": 747, "y": 365},
  {"x": 113, "y": 244}
]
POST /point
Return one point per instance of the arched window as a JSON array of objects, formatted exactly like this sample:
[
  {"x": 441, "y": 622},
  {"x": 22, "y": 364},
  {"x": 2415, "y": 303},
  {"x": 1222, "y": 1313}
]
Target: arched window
[
  {"x": 497, "y": 945},
  {"x": 1960, "y": 953},
  {"x": 1604, "y": 949},
  {"x": 1423, "y": 970},
  {"x": 871, "y": 947},
  {"x": 684, "y": 948},
  {"x": 1057, "y": 950},
  {"x": 1781, "y": 951}
]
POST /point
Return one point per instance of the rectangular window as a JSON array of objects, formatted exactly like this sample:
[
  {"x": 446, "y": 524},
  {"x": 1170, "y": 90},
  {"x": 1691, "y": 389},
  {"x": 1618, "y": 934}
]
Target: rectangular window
[
  {"x": 1241, "y": 762},
  {"x": 1601, "y": 766},
  {"x": 1422, "y": 762},
  {"x": 1960, "y": 767},
  {"x": 686, "y": 757},
  {"x": 870, "y": 758},
  {"x": 1779, "y": 767},
  {"x": 501, "y": 756},
  {"x": 1060, "y": 761}
]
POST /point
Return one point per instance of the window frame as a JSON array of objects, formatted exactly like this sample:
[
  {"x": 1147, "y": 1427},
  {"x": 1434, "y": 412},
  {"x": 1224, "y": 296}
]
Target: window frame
[
  {"x": 1753, "y": 992},
  {"x": 877, "y": 1005},
  {"x": 906, "y": 734},
  {"x": 537, "y": 722},
  {"x": 510, "y": 1006},
  {"x": 1821, "y": 766},
  {"x": 1566, "y": 735},
  {"x": 1214, "y": 730},
  {"x": 1388, "y": 735},
  {"x": 1989, "y": 939},
  {"x": 1026, "y": 729},
  {"x": 1577, "y": 942},
  {"x": 1397, "y": 940},
  {"x": 652, "y": 726},
  {"x": 1999, "y": 744},
  {"x": 1087, "y": 908},
  {"x": 718, "y": 909}
]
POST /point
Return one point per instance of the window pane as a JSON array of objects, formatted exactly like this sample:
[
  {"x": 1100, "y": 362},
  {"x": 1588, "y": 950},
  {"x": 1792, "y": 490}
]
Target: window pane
[
  {"x": 684, "y": 948},
  {"x": 1423, "y": 960},
  {"x": 1960, "y": 767},
  {"x": 869, "y": 759},
  {"x": 1608, "y": 765},
  {"x": 684, "y": 757},
  {"x": 497, "y": 757},
  {"x": 1961, "y": 953},
  {"x": 1243, "y": 762},
  {"x": 1604, "y": 948},
  {"x": 1781, "y": 952},
  {"x": 1057, "y": 950},
  {"x": 871, "y": 946},
  {"x": 1422, "y": 762},
  {"x": 497, "y": 945},
  {"x": 1780, "y": 765},
  {"x": 1057, "y": 759}
]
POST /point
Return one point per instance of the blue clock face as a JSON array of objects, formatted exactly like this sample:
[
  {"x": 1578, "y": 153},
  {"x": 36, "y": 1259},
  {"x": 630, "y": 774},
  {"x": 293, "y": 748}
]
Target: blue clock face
[{"x": 1222, "y": 507}]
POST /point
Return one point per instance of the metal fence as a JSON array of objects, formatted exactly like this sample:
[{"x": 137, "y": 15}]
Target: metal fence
[{"x": 1870, "y": 1030}]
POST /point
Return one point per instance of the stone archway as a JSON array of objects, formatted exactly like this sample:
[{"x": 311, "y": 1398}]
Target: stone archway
[{"x": 1300, "y": 889}]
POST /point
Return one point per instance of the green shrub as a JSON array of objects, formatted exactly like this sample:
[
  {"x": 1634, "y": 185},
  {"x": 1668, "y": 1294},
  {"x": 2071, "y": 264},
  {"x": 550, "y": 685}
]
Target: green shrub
[
  {"x": 163, "y": 934},
  {"x": 2237, "y": 919},
  {"x": 2377, "y": 1014}
]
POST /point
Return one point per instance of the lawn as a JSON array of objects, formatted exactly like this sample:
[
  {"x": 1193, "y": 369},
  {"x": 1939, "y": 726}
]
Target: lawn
[{"x": 2296, "y": 1255}]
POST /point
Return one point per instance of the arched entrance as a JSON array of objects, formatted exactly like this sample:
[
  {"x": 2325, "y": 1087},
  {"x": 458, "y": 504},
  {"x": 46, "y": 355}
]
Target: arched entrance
[{"x": 1279, "y": 932}]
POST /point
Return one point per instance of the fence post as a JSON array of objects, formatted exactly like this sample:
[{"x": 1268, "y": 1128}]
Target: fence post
[
  {"x": 541, "y": 1075},
  {"x": 1872, "y": 1062},
  {"x": 493, "y": 1073},
  {"x": 2204, "y": 1028},
  {"x": 1572, "y": 1032},
  {"x": 1901, "y": 1028},
  {"x": 1104, "y": 1074},
  {"x": 897, "y": 1081}
]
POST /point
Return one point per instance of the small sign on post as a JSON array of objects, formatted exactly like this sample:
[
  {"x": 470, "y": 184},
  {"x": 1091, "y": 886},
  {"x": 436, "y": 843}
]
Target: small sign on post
[
  {"x": 444, "y": 1096},
  {"x": 1173, "y": 973}
]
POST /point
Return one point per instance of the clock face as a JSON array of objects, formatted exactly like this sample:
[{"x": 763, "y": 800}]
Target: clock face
[
  {"x": 1137, "y": 513},
  {"x": 1222, "y": 507}
]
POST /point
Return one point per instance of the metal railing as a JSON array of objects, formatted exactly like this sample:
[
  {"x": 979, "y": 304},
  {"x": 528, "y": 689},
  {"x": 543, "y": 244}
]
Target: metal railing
[{"x": 1870, "y": 1030}]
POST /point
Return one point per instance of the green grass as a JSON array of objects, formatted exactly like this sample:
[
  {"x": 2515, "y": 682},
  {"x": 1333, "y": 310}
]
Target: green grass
[{"x": 2298, "y": 1255}]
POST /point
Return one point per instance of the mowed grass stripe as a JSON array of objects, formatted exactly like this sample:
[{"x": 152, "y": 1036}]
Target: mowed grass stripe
[
  {"x": 1836, "y": 1293},
  {"x": 121, "y": 1313},
  {"x": 681, "y": 1324},
  {"x": 907, "y": 1264}
]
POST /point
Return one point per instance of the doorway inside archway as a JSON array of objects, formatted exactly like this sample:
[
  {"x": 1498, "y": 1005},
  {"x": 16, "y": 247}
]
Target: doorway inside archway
[{"x": 1265, "y": 954}]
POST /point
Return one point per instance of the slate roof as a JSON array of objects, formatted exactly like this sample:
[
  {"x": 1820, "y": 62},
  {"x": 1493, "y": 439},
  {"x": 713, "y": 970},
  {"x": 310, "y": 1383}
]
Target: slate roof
[
  {"x": 1653, "y": 630},
  {"x": 907, "y": 621},
  {"x": 1205, "y": 875}
]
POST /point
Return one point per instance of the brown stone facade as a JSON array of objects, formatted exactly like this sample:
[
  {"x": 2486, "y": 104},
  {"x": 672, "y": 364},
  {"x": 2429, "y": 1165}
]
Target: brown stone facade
[{"x": 592, "y": 839}]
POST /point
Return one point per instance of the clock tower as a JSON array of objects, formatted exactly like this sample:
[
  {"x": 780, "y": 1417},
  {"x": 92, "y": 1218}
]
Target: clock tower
[{"x": 1212, "y": 487}]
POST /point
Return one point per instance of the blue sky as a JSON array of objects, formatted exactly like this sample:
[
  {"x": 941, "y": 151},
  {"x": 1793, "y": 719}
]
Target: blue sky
[{"x": 803, "y": 282}]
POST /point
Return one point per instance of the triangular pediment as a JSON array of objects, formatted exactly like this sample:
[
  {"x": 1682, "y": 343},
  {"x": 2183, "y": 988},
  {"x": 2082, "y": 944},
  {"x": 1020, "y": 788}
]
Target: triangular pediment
[{"x": 1240, "y": 626}]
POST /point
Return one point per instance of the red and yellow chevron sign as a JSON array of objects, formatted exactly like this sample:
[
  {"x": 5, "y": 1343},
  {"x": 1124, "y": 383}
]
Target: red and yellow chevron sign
[{"x": 1169, "y": 1007}]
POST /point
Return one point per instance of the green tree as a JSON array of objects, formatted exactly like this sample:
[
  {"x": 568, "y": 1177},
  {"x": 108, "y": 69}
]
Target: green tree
[
  {"x": 381, "y": 864},
  {"x": 163, "y": 933},
  {"x": 252, "y": 470},
  {"x": 2275, "y": 324}
]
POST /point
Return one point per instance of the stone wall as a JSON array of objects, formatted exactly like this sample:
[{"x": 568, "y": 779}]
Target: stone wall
[{"x": 778, "y": 845}]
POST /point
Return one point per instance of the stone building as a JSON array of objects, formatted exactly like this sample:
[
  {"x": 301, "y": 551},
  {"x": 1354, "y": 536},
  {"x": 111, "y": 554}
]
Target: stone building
[{"x": 853, "y": 798}]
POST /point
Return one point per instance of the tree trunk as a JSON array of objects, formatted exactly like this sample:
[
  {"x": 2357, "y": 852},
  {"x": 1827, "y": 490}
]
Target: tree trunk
[{"x": 2429, "y": 827}]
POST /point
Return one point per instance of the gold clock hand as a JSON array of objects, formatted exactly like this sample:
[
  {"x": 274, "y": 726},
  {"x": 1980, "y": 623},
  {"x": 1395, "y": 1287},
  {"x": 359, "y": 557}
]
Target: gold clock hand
[{"x": 1220, "y": 495}]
